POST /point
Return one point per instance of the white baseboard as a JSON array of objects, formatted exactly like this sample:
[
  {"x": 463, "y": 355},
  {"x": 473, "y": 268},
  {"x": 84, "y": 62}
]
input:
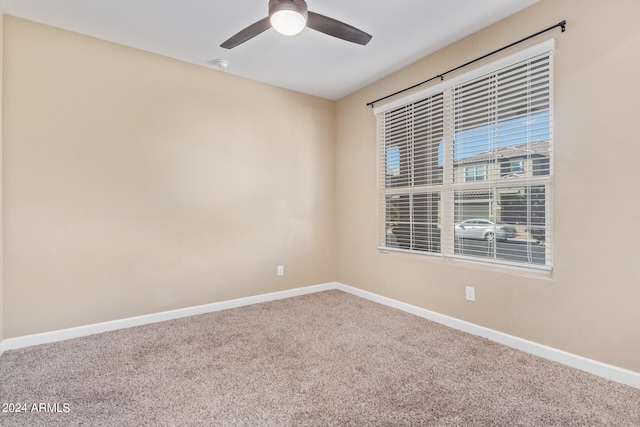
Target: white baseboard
[
  {"x": 604, "y": 370},
  {"x": 600, "y": 369},
  {"x": 96, "y": 328}
]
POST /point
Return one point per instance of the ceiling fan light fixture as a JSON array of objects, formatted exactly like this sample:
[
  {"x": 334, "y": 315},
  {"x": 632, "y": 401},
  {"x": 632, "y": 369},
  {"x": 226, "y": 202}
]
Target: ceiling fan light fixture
[
  {"x": 288, "y": 17},
  {"x": 288, "y": 22}
]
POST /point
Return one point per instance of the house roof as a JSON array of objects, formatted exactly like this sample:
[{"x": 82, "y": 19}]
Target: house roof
[{"x": 527, "y": 149}]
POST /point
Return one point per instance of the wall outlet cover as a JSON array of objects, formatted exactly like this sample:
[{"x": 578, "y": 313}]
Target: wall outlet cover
[{"x": 470, "y": 293}]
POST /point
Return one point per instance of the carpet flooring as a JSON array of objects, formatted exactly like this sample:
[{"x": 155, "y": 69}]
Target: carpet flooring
[{"x": 323, "y": 359}]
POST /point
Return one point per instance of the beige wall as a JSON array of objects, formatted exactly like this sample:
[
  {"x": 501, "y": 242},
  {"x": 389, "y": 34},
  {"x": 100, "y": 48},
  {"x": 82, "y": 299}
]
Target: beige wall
[
  {"x": 589, "y": 304},
  {"x": 134, "y": 183}
]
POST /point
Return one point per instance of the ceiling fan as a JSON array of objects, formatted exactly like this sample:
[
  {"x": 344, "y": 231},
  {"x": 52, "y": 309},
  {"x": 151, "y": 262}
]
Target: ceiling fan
[{"x": 289, "y": 17}]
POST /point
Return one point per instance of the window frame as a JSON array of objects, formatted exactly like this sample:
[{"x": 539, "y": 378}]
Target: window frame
[{"x": 448, "y": 188}]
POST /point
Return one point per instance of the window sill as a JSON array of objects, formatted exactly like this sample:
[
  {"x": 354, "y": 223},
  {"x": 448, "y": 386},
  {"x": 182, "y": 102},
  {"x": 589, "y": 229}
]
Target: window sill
[{"x": 538, "y": 271}]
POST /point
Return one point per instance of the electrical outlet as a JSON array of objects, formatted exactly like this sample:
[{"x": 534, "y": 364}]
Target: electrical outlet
[
  {"x": 471, "y": 293},
  {"x": 281, "y": 270}
]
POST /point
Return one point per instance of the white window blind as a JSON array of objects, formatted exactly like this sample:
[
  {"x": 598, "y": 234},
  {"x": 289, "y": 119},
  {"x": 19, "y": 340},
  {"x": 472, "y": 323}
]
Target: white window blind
[
  {"x": 411, "y": 177},
  {"x": 467, "y": 171}
]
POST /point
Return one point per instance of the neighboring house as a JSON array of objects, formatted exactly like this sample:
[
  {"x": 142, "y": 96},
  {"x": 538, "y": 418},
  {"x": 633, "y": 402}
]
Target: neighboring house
[
  {"x": 520, "y": 160},
  {"x": 502, "y": 163}
]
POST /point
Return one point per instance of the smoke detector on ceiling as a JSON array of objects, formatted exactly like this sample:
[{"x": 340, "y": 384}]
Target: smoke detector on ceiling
[{"x": 221, "y": 64}]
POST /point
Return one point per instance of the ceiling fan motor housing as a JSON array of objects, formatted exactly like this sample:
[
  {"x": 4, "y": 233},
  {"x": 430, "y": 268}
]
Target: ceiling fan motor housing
[{"x": 299, "y": 6}]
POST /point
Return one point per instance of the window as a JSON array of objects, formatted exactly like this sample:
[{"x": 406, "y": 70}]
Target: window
[
  {"x": 474, "y": 173},
  {"x": 411, "y": 206},
  {"x": 466, "y": 166},
  {"x": 511, "y": 167}
]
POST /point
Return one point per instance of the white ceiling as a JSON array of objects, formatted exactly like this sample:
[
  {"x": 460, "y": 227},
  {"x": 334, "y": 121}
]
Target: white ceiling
[{"x": 311, "y": 62}]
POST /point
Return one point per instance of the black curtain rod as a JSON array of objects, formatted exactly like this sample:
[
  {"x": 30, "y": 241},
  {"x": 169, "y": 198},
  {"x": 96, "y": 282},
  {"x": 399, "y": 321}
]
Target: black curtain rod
[{"x": 561, "y": 24}]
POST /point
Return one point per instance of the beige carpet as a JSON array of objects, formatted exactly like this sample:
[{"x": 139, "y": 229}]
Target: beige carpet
[{"x": 325, "y": 359}]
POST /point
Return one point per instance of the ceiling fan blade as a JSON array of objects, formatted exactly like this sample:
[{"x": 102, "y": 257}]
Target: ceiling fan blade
[
  {"x": 338, "y": 29},
  {"x": 248, "y": 33}
]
